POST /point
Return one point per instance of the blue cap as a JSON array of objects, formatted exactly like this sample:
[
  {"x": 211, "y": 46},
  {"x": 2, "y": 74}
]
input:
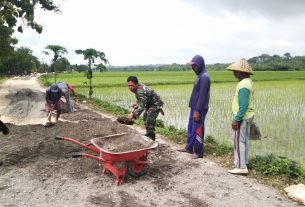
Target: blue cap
[{"x": 54, "y": 88}]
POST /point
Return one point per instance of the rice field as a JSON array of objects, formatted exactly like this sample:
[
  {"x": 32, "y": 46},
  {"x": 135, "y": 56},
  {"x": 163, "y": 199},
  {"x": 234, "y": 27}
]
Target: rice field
[
  {"x": 279, "y": 106},
  {"x": 170, "y": 77}
]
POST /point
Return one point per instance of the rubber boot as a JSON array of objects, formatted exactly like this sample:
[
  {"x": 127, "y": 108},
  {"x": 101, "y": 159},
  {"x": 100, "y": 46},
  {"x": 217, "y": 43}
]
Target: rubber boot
[{"x": 151, "y": 135}]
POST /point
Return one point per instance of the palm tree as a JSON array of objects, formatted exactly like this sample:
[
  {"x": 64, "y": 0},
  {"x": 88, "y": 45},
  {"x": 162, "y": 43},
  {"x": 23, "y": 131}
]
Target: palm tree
[
  {"x": 58, "y": 52},
  {"x": 91, "y": 55}
]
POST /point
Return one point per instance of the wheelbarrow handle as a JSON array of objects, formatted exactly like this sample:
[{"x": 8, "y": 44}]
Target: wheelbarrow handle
[
  {"x": 85, "y": 155},
  {"x": 76, "y": 155},
  {"x": 59, "y": 138}
]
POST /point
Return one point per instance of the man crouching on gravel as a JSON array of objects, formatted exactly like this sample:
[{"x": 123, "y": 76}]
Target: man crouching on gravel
[
  {"x": 4, "y": 129},
  {"x": 53, "y": 95}
]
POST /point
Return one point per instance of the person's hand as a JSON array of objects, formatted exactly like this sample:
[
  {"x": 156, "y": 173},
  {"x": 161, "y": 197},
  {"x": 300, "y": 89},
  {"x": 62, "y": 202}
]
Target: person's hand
[
  {"x": 235, "y": 125},
  {"x": 196, "y": 116},
  {"x": 162, "y": 111},
  {"x": 135, "y": 105},
  {"x": 131, "y": 116}
]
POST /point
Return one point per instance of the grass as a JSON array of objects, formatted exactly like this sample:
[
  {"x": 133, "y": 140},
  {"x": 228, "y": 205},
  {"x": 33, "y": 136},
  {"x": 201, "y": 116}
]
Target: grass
[
  {"x": 3, "y": 78},
  {"x": 271, "y": 170}
]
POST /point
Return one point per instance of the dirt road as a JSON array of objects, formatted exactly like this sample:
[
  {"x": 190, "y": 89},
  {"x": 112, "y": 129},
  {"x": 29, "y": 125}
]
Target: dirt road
[{"x": 39, "y": 171}]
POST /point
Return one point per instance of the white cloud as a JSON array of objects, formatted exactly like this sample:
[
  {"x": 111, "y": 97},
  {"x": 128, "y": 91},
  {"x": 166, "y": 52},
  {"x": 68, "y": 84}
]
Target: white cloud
[{"x": 156, "y": 31}]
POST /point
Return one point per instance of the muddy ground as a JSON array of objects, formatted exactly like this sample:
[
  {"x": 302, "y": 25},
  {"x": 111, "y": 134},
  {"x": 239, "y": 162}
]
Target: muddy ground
[{"x": 39, "y": 170}]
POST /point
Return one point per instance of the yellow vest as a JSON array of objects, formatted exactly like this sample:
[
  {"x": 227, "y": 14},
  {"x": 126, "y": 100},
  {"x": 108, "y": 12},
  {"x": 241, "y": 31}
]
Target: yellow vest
[{"x": 245, "y": 83}]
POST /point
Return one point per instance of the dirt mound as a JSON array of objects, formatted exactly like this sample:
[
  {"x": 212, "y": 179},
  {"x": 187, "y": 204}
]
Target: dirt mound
[
  {"x": 23, "y": 105},
  {"x": 34, "y": 145},
  {"x": 25, "y": 94}
]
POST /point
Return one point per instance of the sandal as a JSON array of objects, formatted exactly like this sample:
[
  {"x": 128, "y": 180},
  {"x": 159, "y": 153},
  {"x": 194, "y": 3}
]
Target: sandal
[
  {"x": 182, "y": 150},
  {"x": 194, "y": 156}
]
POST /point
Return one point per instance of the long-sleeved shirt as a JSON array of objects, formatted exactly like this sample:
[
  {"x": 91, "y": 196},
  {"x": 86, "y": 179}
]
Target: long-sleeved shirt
[
  {"x": 201, "y": 93},
  {"x": 200, "y": 96},
  {"x": 146, "y": 98},
  {"x": 242, "y": 102},
  {"x": 66, "y": 86}
]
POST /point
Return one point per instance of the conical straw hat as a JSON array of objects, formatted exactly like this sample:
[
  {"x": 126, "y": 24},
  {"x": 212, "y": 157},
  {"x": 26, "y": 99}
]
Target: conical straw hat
[{"x": 242, "y": 66}]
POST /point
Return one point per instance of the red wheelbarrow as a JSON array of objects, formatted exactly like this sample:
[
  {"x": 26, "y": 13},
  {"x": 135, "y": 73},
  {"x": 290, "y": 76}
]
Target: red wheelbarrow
[{"x": 120, "y": 153}]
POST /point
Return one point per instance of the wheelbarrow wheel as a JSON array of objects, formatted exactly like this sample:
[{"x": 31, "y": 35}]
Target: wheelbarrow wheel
[{"x": 137, "y": 169}]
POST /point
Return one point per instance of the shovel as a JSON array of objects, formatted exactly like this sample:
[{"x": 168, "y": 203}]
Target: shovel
[{"x": 47, "y": 123}]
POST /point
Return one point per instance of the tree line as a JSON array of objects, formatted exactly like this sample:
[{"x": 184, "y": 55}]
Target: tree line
[
  {"x": 21, "y": 61},
  {"x": 264, "y": 62}
]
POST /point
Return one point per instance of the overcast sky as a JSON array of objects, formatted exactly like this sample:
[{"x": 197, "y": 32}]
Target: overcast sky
[{"x": 138, "y": 32}]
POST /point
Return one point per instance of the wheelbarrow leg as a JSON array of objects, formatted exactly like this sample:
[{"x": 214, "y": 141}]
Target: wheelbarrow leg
[{"x": 119, "y": 173}]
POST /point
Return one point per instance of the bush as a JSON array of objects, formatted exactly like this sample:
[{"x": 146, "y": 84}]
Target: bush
[{"x": 272, "y": 165}]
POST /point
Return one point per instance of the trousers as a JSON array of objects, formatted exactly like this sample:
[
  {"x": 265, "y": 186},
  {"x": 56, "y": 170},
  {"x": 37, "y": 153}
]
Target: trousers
[
  {"x": 240, "y": 140},
  {"x": 195, "y": 133}
]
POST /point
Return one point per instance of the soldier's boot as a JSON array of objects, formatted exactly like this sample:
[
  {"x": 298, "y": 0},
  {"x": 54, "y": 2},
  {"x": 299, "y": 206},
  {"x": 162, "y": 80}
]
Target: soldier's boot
[
  {"x": 151, "y": 135},
  {"x": 1, "y": 162}
]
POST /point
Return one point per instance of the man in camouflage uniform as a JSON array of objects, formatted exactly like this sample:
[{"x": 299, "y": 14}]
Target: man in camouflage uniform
[{"x": 147, "y": 100}]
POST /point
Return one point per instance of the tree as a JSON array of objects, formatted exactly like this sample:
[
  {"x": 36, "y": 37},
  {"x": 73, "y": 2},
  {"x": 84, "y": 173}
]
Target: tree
[
  {"x": 62, "y": 64},
  {"x": 13, "y": 10},
  {"x": 101, "y": 67},
  {"x": 6, "y": 41},
  {"x": 80, "y": 68},
  {"x": 92, "y": 55},
  {"x": 287, "y": 55},
  {"x": 21, "y": 61},
  {"x": 58, "y": 51}
]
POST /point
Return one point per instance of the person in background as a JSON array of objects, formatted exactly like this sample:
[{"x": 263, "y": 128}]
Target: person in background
[
  {"x": 66, "y": 88},
  {"x": 243, "y": 115},
  {"x": 199, "y": 106},
  {"x": 5, "y": 130},
  {"x": 53, "y": 95},
  {"x": 147, "y": 100}
]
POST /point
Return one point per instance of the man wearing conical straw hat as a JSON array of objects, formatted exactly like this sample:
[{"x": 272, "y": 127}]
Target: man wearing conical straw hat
[{"x": 243, "y": 114}]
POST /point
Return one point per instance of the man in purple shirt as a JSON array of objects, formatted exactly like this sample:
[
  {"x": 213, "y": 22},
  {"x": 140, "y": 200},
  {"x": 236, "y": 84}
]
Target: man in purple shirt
[{"x": 199, "y": 105}]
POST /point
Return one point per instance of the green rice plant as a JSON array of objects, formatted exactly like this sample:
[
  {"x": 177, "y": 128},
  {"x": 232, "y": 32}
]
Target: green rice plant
[{"x": 152, "y": 78}]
